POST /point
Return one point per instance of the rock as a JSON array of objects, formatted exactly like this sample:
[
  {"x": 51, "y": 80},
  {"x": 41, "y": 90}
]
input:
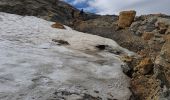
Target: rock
[
  {"x": 135, "y": 25},
  {"x": 162, "y": 71},
  {"x": 166, "y": 49},
  {"x": 61, "y": 42},
  {"x": 159, "y": 40},
  {"x": 147, "y": 35},
  {"x": 162, "y": 24},
  {"x": 58, "y": 25},
  {"x": 126, "y": 18},
  {"x": 143, "y": 25},
  {"x": 145, "y": 66},
  {"x": 166, "y": 37},
  {"x": 142, "y": 53},
  {"x": 145, "y": 88},
  {"x": 168, "y": 31},
  {"x": 131, "y": 62},
  {"x": 162, "y": 27},
  {"x": 163, "y": 63},
  {"x": 127, "y": 59}
]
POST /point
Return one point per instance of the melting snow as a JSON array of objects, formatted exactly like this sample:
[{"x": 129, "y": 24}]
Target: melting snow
[{"x": 33, "y": 67}]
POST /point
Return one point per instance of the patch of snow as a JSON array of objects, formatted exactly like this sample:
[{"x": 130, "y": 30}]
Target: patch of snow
[{"x": 33, "y": 67}]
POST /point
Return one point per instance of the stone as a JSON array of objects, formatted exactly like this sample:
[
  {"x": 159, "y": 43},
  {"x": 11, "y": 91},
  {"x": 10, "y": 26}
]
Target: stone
[
  {"x": 162, "y": 24},
  {"x": 145, "y": 66},
  {"x": 126, "y": 18},
  {"x": 147, "y": 35},
  {"x": 162, "y": 30},
  {"x": 61, "y": 42},
  {"x": 162, "y": 71},
  {"x": 163, "y": 63},
  {"x": 58, "y": 25},
  {"x": 166, "y": 49},
  {"x": 145, "y": 88},
  {"x": 167, "y": 31}
]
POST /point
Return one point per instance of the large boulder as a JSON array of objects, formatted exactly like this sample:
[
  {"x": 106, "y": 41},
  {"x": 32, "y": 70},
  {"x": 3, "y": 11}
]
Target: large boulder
[{"x": 126, "y": 18}]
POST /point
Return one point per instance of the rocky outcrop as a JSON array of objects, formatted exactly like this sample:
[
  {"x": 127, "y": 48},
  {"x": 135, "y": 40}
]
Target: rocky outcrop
[
  {"x": 166, "y": 49},
  {"x": 143, "y": 24},
  {"x": 51, "y": 10},
  {"x": 150, "y": 79},
  {"x": 162, "y": 25},
  {"x": 145, "y": 88},
  {"x": 126, "y": 18}
]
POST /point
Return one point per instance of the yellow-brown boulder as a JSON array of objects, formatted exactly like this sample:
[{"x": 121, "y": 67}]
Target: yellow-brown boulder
[{"x": 126, "y": 18}]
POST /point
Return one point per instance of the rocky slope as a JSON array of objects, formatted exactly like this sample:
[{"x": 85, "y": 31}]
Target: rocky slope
[
  {"x": 53, "y": 10},
  {"x": 147, "y": 35}
]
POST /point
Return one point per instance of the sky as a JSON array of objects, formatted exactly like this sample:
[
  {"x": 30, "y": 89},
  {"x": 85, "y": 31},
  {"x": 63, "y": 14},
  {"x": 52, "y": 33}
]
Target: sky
[{"x": 110, "y": 7}]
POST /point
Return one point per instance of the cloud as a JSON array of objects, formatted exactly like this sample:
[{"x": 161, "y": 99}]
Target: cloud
[
  {"x": 75, "y": 2},
  {"x": 115, "y": 6}
]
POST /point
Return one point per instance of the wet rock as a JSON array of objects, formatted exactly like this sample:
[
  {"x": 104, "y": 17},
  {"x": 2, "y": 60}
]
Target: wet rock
[
  {"x": 58, "y": 25},
  {"x": 126, "y": 18}
]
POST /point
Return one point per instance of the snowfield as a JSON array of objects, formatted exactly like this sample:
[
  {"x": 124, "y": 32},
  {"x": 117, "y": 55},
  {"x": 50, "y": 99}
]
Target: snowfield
[{"x": 33, "y": 67}]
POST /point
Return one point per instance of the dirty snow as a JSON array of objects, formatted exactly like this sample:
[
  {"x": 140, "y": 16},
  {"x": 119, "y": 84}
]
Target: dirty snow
[{"x": 33, "y": 67}]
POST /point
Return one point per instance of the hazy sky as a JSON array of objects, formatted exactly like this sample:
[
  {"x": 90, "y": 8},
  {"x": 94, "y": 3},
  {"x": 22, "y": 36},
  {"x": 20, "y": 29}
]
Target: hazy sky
[{"x": 115, "y": 6}]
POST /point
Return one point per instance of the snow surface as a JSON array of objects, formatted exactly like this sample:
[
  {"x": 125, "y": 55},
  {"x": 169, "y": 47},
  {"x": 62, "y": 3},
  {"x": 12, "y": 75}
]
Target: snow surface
[{"x": 33, "y": 67}]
